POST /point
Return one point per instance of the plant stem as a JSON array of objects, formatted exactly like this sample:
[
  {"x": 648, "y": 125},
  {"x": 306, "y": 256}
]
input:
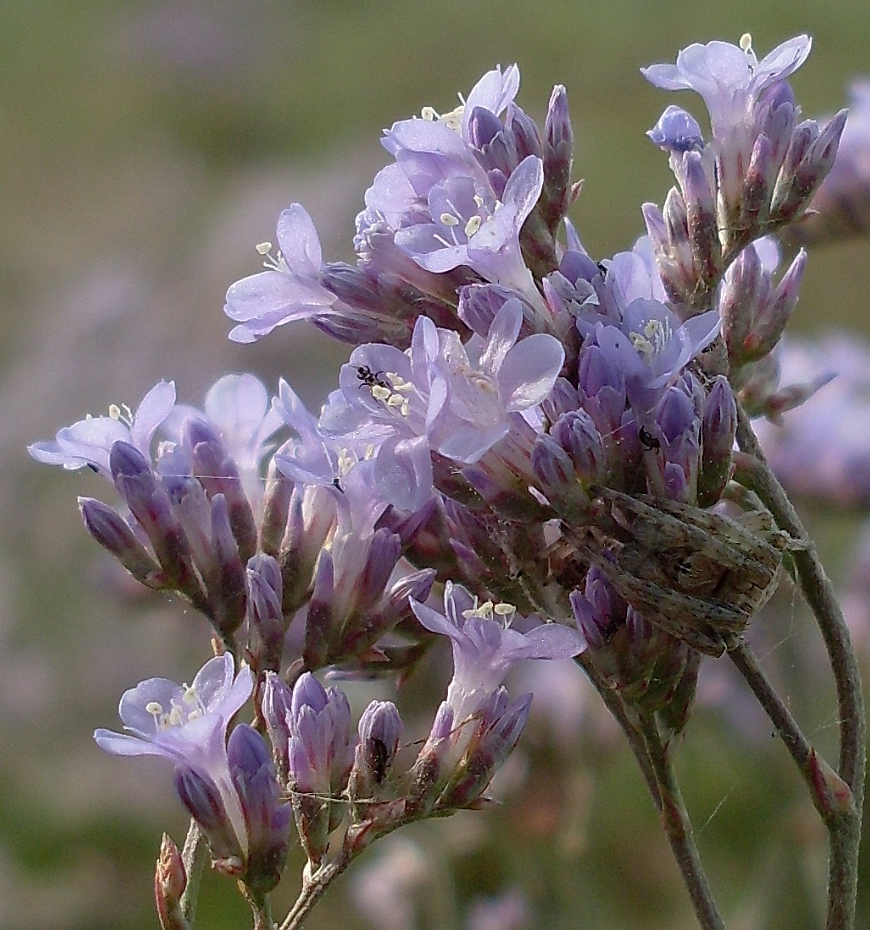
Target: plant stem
[
  {"x": 830, "y": 802},
  {"x": 313, "y": 887},
  {"x": 844, "y": 829},
  {"x": 616, "y": 706},
  {"x": 677, "y": 826}
]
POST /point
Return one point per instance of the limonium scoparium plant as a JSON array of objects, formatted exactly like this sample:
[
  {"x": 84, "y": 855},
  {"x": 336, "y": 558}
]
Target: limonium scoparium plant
[{"x": 531, "y": 452}]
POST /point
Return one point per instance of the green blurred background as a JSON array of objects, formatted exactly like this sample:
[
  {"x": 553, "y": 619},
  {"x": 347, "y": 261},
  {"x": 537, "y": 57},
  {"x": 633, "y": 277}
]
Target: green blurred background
[{"x": 144, "y": 149}]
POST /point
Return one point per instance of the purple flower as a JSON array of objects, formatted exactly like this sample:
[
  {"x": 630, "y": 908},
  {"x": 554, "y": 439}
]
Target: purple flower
[
  {"x": 311, "y": 458},
  {"x": 89, "y": 441},
  {"x": 677, "y": 131},
  {"x": 486, "y": 381},
  {"x": 759, "y": 172},
  {"x": 820, "y": 450},
  {"x": 730, "y": 78},
  {"x": 651, "y": 347},
  {"x": 187, "y": 724},
  {"x": 444, "y": 396},
  {"x": 485, "y": 646},
  {"x": 289, "y": 289},
  {"x": 470, "y": 226},
  {"x": 239, "y": 410}
]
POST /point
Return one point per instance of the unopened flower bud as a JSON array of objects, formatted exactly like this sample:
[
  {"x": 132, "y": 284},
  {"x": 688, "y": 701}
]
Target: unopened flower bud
[
  {"x": 677, "y": 131},
  {"x": 498, "y": 732},
  {"x": 701, "y": 220},
  {"x": 809, "y": 159},
  {"x": 380, "y": 729},
  {"x": 718, "y": 429},
  {"x": 170, "y": 881},
  {"x": 265, "y": 616},
  {"x": 320, "y": 756},
  {"x": 112, "y": 532},
  {"x": 203, "y": 800},
  {"x": 266, "y": 819},
  {"x": 557, "y": 194},
  {"x": 151, "y": 506},
  {"x": 230, "y": 594},
  {"x": 219, "y": 474},
  {"x": 276, "y": 708}
]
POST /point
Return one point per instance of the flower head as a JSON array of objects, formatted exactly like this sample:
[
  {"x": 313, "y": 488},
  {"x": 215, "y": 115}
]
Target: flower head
[
  {"x": 187, "y": 724},
  {"x": 485, "y": 645},
  {"x": 89, "y": 441},
  {"x": 729, "y": 78}
]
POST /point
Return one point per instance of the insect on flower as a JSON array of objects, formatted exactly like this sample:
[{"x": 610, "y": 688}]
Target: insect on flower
[
  {"x": 370, "y": 378},
  {"x": 647, "y": 440}
]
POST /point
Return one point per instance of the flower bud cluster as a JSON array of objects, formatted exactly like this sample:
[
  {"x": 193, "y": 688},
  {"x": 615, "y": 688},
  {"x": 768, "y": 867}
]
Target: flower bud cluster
[
  {"x": 655, "y": 672},
  {"x": 339, "y": 778},
  {"x": 756, "y": 174}
]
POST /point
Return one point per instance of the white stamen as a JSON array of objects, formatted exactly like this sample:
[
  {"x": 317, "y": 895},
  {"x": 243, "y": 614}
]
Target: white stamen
[
  {"x": 264, "y": 248},
  {"x": 448, "y": 219},
  {"x": 346, "y": 461},
  {"x": 747, "y": 49}
]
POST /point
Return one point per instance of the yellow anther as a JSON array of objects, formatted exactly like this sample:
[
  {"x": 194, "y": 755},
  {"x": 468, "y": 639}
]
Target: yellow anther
[
  {"x": 264, "y": 248},
  {"x": 154, "y": 708},
  {"x": 472, "y": 226},
  {"x": 448, "y": 219}
]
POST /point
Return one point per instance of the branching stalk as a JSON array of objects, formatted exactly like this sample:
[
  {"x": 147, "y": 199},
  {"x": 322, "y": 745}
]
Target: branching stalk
[
  {"x": 844, "y": 826},
  {"x": 313, "y": 887}
]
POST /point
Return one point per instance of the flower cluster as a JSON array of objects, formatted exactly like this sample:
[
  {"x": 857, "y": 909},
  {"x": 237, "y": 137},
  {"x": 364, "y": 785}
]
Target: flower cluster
[{"x": 536, "y": 433}]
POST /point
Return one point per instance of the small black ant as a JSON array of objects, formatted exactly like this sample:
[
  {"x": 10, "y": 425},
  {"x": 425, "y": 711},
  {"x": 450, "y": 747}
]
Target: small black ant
[
  {"x": 369, "y": 378},
  {"x": 379, "y": 757},
  {"x": 647, "y": 440}
]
